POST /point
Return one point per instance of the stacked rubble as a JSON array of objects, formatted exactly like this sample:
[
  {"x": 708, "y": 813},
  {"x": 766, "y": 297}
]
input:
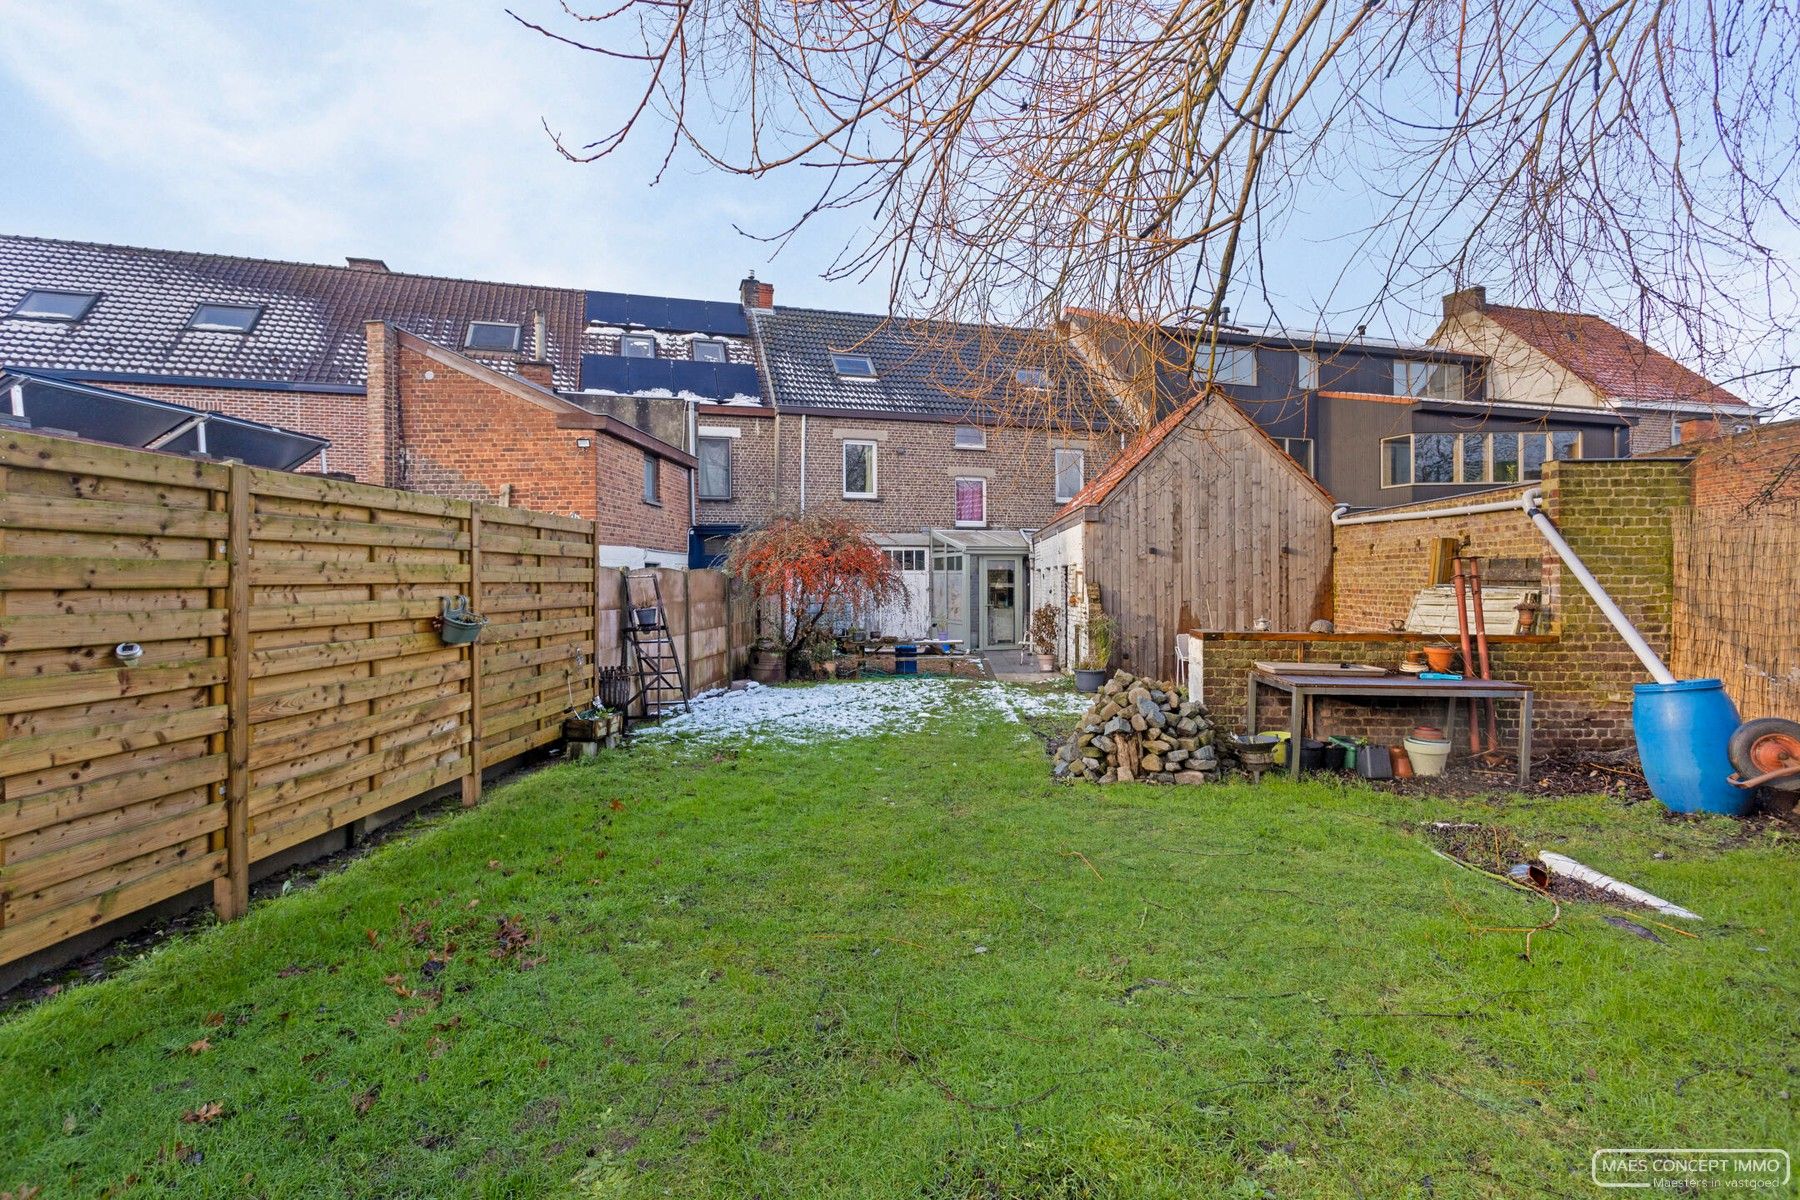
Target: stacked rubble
[{"x": 1140, "y": 729}]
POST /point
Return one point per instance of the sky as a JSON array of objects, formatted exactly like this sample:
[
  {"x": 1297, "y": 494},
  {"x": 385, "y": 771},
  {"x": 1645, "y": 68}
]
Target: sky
[{"x": 404, "y": 130}]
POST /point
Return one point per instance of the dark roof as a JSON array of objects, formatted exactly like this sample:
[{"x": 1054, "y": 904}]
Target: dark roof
[
  {"x": 718, "y": 382},
  {"x": 310, "y": 330},
  {"x": 122, "y": 419},
  {"x": 1611, "y": 361},
  {"x": 931, "y": 369},
  {"x": 667, "y": 313}
]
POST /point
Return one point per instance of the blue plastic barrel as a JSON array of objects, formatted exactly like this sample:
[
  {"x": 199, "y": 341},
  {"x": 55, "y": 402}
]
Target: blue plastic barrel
[{"x": 1682, "y": 731}]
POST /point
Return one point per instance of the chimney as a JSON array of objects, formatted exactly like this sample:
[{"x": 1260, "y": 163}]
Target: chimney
[
  {"x": 540, "y": 371},
  {"x": 756, "y": 294},
  {"x": 1468, "y": 300},
  {"x": 366, "y": 264}
]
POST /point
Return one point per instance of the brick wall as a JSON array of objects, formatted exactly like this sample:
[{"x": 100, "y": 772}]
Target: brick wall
[
  {"x": 1615, "y": 515},
  {"x": 1750, "y": 469},
  {"x": 917, "y": 466},
  {"x": 752, "y": 464},
  {"x": 341, "y": 418},
  {"x": 627, "y": 519}
]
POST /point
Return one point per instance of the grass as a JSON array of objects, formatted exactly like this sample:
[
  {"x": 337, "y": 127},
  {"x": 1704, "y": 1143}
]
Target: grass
[{"x": 912, "y": 966}]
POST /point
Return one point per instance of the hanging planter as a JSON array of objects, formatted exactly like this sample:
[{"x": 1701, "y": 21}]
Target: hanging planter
[{"x": 456, "y": 625}]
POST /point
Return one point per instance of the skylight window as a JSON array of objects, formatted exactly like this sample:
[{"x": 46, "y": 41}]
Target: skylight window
[
  {"x": 49, "y": 304},
  {"x": 225, "y": 318},
  {"x": 1032, "y": 377},
  {"x": 638, "y": 345},
  {"x": 709, "y": 350},
  {"x": 492, "y": 335},
  {"x": 853, "y": 366}
]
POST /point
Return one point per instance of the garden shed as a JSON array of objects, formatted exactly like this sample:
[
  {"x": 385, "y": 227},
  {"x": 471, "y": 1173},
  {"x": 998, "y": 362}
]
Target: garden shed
[{"x": 1203, "y": 522}]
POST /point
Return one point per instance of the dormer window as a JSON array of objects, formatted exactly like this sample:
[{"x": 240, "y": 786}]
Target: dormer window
[
  {"x": 49, "y": 304},
  {"x": 492, "y": 335},
  {"x": 637, "y": 345},
  {"x": 225, "y": 318},
  {"x": 1032, "y": 377},
  {"x": 853, "y": 366}
]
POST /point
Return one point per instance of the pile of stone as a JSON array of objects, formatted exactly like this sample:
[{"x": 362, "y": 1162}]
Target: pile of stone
[{"x": 1140, "y": 729}]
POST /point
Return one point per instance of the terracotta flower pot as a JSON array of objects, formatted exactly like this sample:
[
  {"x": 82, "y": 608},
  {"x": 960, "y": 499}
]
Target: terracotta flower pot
[{"x": 1440, "y": 658}]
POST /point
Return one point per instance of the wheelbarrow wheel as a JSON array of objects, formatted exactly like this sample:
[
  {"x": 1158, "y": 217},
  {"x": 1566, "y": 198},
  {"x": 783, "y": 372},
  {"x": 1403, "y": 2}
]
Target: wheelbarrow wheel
[{"x": 1763, "y": 745}]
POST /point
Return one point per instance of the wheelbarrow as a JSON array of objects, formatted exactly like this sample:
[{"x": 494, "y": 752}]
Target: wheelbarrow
[{"x": 1766, "y": 753}]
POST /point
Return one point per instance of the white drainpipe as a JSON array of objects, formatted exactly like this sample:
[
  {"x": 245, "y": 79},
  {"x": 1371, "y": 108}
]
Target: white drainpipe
[
  {"x": 1658, "y": 671},
  {"x": 802, "y": 462},
  {"x": 1338, "y": 516}
]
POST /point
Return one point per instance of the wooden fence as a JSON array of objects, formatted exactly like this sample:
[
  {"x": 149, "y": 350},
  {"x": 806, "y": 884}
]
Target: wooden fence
[
  {"x": 1737, "y": 605},
  {"x": 290, "y": 680}
]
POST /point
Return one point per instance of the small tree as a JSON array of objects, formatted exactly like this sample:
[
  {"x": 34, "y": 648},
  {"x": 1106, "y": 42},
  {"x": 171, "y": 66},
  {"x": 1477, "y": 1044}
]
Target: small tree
[{"x": 812, "y": 566}]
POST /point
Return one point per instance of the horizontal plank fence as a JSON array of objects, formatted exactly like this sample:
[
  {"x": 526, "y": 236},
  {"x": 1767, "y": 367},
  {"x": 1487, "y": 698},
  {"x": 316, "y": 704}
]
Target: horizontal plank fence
[
  {"x": 1737, "y": 605},
  {"x": 291, "y": 681}
]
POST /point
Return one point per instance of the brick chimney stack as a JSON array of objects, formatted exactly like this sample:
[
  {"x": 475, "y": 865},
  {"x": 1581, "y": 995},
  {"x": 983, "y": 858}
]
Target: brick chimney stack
[
  {"x": 540, "y": 371},
  {"x": 756, "y": 294},
  {"x": 1467, "y": 300}
]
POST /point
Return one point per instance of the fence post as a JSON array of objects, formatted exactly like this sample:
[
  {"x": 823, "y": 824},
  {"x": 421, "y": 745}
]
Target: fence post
[
  {"x": 594, "y": 584},
  {"x": 687, "y": 625},
  {"x": 231, "y": 894},
  {"x": 471, "y": 784}
]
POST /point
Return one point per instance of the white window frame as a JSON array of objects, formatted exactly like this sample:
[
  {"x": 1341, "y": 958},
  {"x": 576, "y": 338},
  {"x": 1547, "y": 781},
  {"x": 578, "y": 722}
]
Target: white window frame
[
  {"x": 469, "y": 337},
  {"x": 874, "y": 449},
  {"x": 1306, "y": 371},
  {"x": 22, "y": 310},
  {"x": 1207, "y": 358},
  {"x": 701, "y": 438},
  {"x": 1056, "y": 472},
  {"x": 1287, "y": 446},
  {"x": 723, "y": 346},
  {"x": 637, "y": 339},
  {"x": 979, "y": 441},
  {"x": 652, "y": 480},
  {"x": 838, "y": 362},
  {"x": 1403, "y": 374},
  {"x": 960, "y": 523},
  {"x": 901, "y": 558},
  {"x": 255, "y": 311}
]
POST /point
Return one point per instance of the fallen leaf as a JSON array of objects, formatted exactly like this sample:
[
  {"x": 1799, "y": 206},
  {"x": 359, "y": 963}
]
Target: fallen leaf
[
  {"x": 600, "y": 853},
  {"x": 69, "y": 1123},
  {"x": 493, "y": 864},
  {"x": 362, "y": 1102},
  {"x": 214, "y": 1019},
  {"x": 474, "y": 903},
  {"x": 618, "y": 806},
  {"x": 199, "y": 1047},
  {"x": 207, "y": 1113},
  {"x": 374, "y": 938}
]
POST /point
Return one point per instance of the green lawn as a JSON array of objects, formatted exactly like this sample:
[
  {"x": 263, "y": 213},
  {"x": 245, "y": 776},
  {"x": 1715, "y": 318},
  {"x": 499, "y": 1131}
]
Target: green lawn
[{"x": 910, "y": 965}]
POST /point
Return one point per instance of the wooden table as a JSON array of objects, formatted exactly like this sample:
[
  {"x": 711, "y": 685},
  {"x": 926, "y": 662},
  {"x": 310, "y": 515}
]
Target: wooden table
[{"x": 1301, "y": 688}]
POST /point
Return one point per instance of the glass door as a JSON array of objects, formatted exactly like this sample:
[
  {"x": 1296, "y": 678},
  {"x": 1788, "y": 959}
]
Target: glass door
[{"x": 1000, "y": 588}]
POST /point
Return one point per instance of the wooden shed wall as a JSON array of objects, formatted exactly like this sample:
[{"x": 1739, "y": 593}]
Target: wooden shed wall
[{"x": 1213, "y": 530}]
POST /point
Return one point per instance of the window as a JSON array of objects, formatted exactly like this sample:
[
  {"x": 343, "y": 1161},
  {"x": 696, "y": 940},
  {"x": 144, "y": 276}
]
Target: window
[
  {"x": 706, "y": 350},
  {"x": 1300, "y": 450},
  {"x": 1473, "y": 457},
  {"x": 1439, "y": 381},
  {"x": 637, "y": 345},
  {"x": 652, "y": 483},
  {"x": 225, "y": 318},
  {"x": 906, "y": 560},
  {"x": 715, "y": 468},
  {"x": 492, "y": 335},
  {"x": 971, "y": 502},
  {"x": 859, "y": 470},
  {"x": 1306, "y": 373},
  {"x": 1032, "y": 377},
  {"x": 853, "y": 366},
  {"x": 1226, "y": 364},
  {"x": 971, "y": 437},
  {"x": 1071, "y": 473},
  {"x": 47, "y": 304}
]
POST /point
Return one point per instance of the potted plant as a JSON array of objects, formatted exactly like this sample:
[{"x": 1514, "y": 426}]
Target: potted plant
[
  {"x": 1043, "y": 636},
  {"x": 1090, "y": 673}
]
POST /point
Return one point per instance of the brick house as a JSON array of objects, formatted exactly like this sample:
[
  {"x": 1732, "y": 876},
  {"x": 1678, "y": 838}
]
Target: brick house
[
  {"x": 451, "y": 426},
  {"x": 952, "y": 442},
  {"x": 1573, "y": 362}
]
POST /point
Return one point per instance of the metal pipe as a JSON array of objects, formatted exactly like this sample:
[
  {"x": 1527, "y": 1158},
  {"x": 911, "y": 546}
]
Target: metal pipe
[
  {"x": 1338, "y": 516},
  {"x": 1530, "y": 502}
]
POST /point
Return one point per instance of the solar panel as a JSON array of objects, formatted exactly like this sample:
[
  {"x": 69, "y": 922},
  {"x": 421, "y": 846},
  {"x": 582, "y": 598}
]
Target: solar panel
[
  {"x": 628, "y": 311},
  {"x": 673, "y": 376}
]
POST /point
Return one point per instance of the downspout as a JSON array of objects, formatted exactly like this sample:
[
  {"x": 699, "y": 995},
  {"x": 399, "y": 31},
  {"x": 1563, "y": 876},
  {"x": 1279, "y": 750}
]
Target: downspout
[
  {"x": 693, "y": 447},
  {"x": 1530, "y": 502},
  {"x": 18, "y": 400},
  {"x": 803, "y": 462}
]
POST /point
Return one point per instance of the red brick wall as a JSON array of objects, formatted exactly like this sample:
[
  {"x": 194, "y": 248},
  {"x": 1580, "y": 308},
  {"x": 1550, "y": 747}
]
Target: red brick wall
[
  {"x": 338, "y": 417},
  {"x": 626, "y": 518},
  {"x": 461, "y": 436},
  {"x": 1752, "y": 468}
]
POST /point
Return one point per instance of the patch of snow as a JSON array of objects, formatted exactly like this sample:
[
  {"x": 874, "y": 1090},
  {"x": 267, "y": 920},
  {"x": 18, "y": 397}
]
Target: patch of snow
[{"x": 818, "y": 712}]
